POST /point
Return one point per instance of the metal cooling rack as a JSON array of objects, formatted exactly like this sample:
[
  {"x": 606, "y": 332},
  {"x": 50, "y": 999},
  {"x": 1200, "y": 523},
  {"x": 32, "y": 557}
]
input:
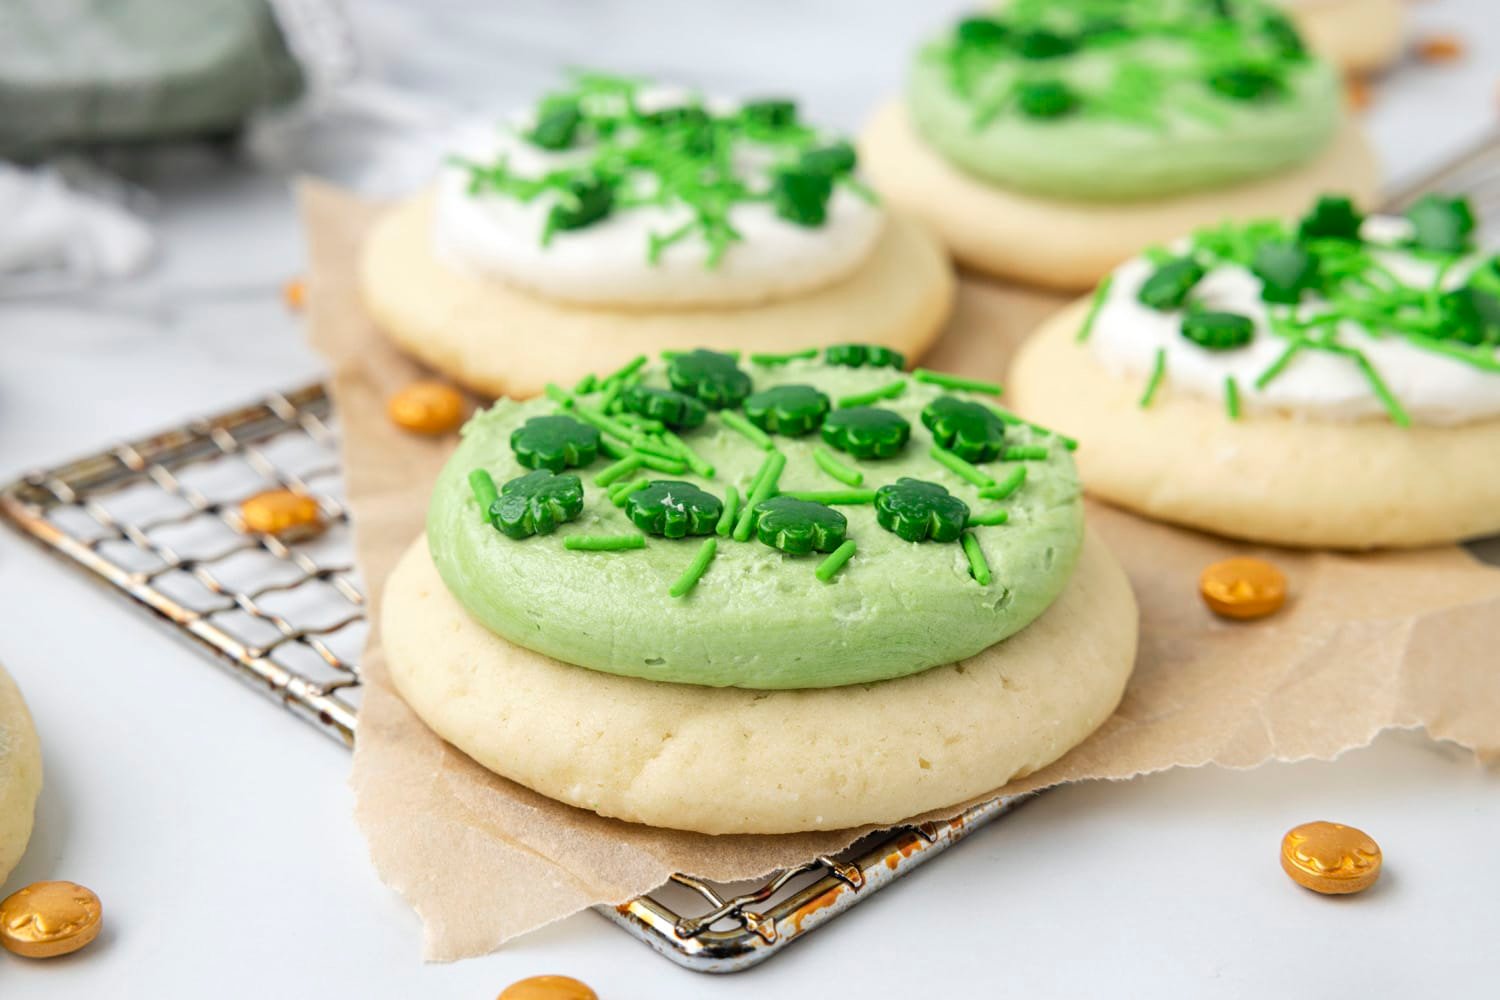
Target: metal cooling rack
[{"x": 157, "y": 521}]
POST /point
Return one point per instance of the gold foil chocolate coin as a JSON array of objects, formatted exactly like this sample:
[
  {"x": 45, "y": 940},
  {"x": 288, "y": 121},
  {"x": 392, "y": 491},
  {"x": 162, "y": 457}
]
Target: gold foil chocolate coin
[
  {"x": 547, "y": 988},
  {"x": 1330, "y": 857},
  {"x": 283, "y": 513},
  {"x": 427, "y": 408},
  {"x": 47, "y": 919},
  {"x": 1243, "y": 588}
]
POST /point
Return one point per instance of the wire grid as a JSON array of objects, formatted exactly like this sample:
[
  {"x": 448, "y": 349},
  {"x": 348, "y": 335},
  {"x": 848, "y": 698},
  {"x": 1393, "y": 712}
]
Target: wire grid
[{"x": 157, "y": 520}]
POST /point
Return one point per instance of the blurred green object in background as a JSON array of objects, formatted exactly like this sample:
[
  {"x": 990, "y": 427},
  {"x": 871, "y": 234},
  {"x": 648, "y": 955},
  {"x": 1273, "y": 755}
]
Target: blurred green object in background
[{"x": 76, "y": 73}]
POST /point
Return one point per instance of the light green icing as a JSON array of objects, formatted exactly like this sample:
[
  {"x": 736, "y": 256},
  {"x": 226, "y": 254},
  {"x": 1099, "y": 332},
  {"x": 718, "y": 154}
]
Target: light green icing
[
  {"x": 759, "y": 618},
  {"x": 1146, "y": 125}
]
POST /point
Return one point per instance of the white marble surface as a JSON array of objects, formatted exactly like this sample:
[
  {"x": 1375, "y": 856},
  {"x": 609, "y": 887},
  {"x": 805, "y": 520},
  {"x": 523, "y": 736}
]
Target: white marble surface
[{"x": 218, "y": 830}]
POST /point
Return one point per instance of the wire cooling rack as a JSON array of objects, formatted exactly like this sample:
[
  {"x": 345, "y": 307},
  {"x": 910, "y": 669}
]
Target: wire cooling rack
[{"x": 157, "y": 521}]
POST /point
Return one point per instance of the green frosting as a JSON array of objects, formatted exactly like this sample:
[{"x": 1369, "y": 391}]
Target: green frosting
[
  {"x": 760, "y": 617},
  {"x": 1114, "y": 100}
]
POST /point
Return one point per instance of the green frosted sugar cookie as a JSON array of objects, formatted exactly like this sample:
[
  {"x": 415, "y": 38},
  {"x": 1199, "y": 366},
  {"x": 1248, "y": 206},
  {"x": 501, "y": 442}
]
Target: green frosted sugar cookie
[
  {"x": 779, "y": 591},
  {"x": 1124, "y": 99}
]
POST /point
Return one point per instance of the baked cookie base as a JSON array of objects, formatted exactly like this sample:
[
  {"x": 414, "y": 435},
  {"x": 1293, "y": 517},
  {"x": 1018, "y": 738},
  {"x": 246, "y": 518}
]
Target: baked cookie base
[
  {"x": 20, "y": 775},
  {"x": 728, "y": 760},
  {"x": 501, "y": 341},
  {"x": 1357, "y": 36},
  {"x": 1267, "y": 477},
  {"x": 1070, "y": 245}
]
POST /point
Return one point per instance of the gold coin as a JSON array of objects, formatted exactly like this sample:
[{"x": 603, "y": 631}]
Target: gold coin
[
  {"x": 547, "y": 988},
  {"x": 283, "y": 513},
  {"x": 1330, "y": 857},
  {"x": 294, "y": 294},
  {"x": 1243, "y": 588},
  {"x": 47, "y": 919},
  {"x": 427, "y": 408}
]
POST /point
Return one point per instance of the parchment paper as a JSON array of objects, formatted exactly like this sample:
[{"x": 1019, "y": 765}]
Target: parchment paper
[{"x": 1365, "y": 643}]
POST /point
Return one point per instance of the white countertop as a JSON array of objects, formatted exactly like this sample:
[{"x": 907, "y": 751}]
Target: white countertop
[{"x": 217, "y": 830}]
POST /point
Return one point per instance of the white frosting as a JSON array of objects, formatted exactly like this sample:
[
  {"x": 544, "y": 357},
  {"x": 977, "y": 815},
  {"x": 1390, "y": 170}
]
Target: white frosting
[
  {"x": 607, "y": 264},
  {"x": 1432, "y": 388}
]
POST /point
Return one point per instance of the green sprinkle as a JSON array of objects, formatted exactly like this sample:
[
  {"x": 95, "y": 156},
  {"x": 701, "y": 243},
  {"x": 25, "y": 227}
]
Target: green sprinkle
[
  {"x": 829, "y": 463},
  {"x": 559, "y": 395},
  {"x": 649, "y": 446},
  {"x": 1277, "y": 366},
  {"x": 831, "y": 497},
  {"x": 731, "y": 510},
  {"x": 619, "y": 491},
  {"x": 619, "y": 470},
  {"x": 1024, "y": 453},
  {"x": 613, "y": 450},
  {"x": 608, "y": 425},
  {"x": 1232, "y": 397},
  {"x": 585, "y": 385},
  {"x": 888, "y": 391},
  {"x": 772, "y": 360},
  {"x": 1099, "y": 295},
  {"x": 745, "y": 428},
  {"x": 604, "y": 543},
  {"x": 619, "y": 375},
  {"x": 688, "y": 455},
  {"x": 1008, "y": 484},
  {"x": 979, "y": 568},
  {"x": 609, "y": 396},
  {"x": 963, "y": 469},
  {"x": 675, "y": 466},
  {"x": 1158, "y": 369},
  {"x": 835, "y": 561},
  {"x": 639, "y": 422},
  {"x": 1392, "y": 405},
  {"x": 763, "y": 487},
  {"x": 992, "y": 518},
  {"x": 1010, "y": 418},
  {"x": 690, "y": 576},
  {"x": 485, "y": 493},
  {"x": 956, "y": 382}
]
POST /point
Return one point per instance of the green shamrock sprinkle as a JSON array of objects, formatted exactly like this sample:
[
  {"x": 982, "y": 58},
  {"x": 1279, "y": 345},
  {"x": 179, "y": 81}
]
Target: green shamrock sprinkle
[
  {"x": 557, "y": 125},
  {"x": 536, "y": 503},
  {"x": 1040, "y": 43},
  {"x": 770, "y": 112},
  {"x": 918, "y": 511},
  {"x": 1285, "y": 271},
  {"x": 675, "y": 409},
  {"x": 714, "y": 379},
  {"x": 798, "y": 527},
  {"x": 833, "y": 160},
  {"x": 867, "y": 431},
  {"x": 1046, "y": 99},
  {"x": 1217, "y": 331},
  {"x": 1246, "y": 82},
  {"x": 862, "y": 355},
  {"x": 967, "y": 429},
  {"x": 673, "y": 509},
  {"x": 792, "y": 410},
  {"x": 801, "y": 196},
  {"x": 1333, "y": 217},
  {"x": 582, "y": 202},
  {"x": 556, "y": 443},
  {"x": 981, "y": 31},
  {"x": 1169, "y": 284},
  {"x": 1471, "y": 314},
  {"x": 1441, "y": 224},
  {"x": 1282, "y": 35}
]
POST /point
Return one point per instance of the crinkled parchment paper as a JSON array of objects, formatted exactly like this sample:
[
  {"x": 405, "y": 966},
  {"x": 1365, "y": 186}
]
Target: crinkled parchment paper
[{"x": 1366, "y": 642}]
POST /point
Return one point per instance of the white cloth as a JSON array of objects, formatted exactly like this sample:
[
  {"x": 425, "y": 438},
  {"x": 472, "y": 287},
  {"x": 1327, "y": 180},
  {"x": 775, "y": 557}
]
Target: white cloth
[{"x": 59, "y": 236}]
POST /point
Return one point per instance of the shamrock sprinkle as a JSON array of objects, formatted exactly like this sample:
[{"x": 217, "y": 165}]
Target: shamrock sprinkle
[
  {"x": 1332, "y": 218},
  {"x": 1045, "y": 99},
  {"x": 801, "y": 196},
  {"x": 582, "y": 202},
  {"x": 792, "y": 410},
  {"x": 1285, "y": 271},
  {"x": 970, "y": 431},
  {"x": 1247, "y": 82},
  {"x": 1218, "y": 331},
  {"x": 867, "y": 431},
  {"x": 536, "y": 503},
  {"x": 861, "y": 355},
  {"x": 1441, "y": 224},
  {"x": 675, "y": 409},
  {"x": 557, "y": 125},
  {"x": 713, "y": 378},
  {"x": 917, "y": 511},
  {"x": 673, "y": 509},
  {"x": 555, "y": 443},
  {"x": 1169, "y": 284},
  {"x": 798, "y": 527}
]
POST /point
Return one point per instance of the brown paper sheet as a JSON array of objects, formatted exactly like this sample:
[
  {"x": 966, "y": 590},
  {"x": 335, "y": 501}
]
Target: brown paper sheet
[{"x": 1365, "y": 643}]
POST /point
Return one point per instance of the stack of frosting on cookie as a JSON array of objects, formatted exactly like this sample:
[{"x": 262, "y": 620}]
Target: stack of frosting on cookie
[
  {"x": 1333, "y": 381},
  {"x": 1048, "y": 140},
  {"x": 760, "y": 593},
  {"x": 615, "y": 218}
]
